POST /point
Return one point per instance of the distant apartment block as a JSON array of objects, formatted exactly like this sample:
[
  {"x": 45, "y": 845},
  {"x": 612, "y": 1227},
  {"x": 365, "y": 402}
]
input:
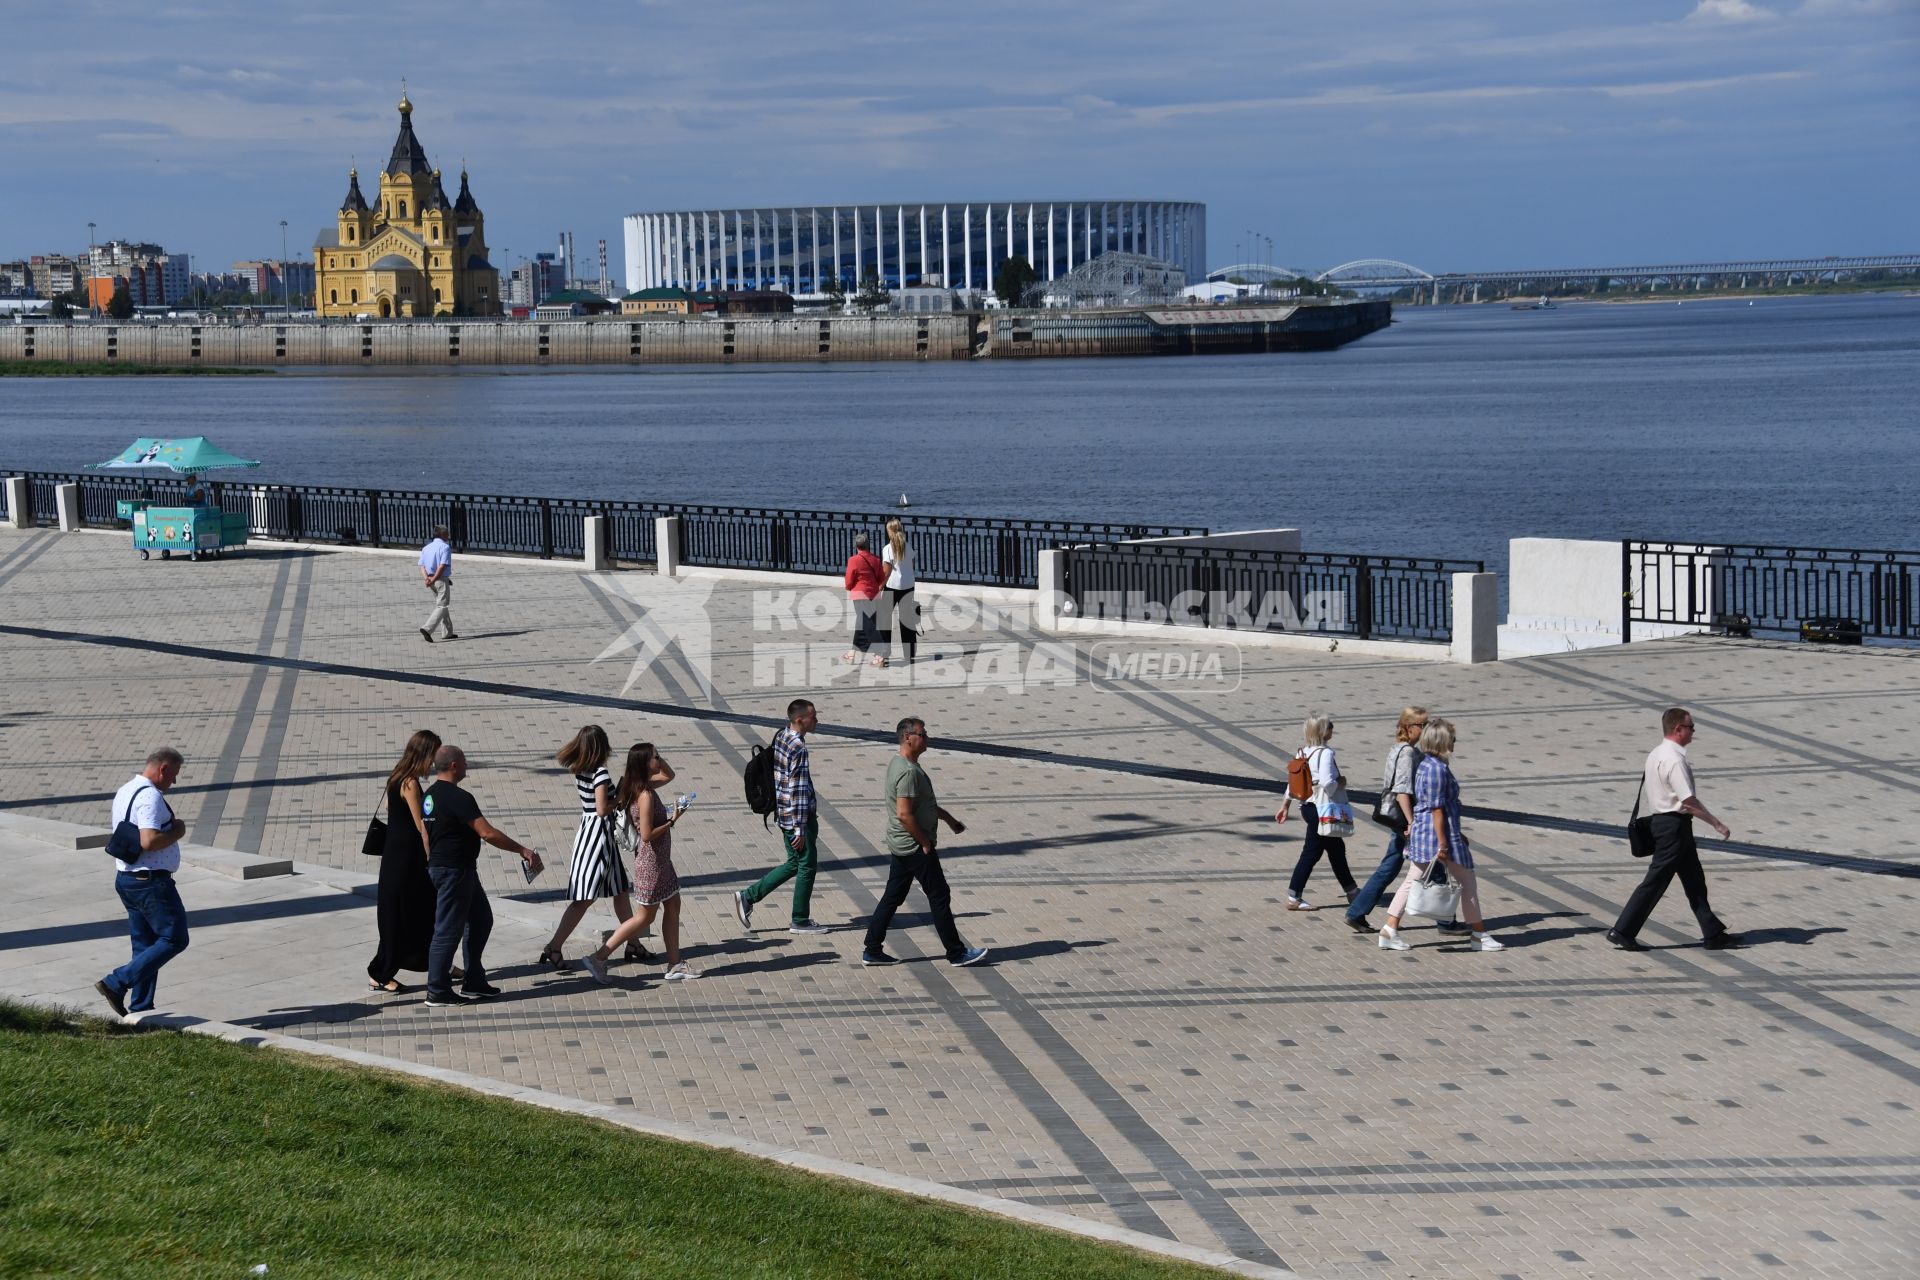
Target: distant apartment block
[
  {"x": 533, "y": 282},
  {"x": 16, "y": 279},
  {"x": 55, "y": 273},
  {"x": 265, "y": 279},
  {"x": 154, "y": 277}
]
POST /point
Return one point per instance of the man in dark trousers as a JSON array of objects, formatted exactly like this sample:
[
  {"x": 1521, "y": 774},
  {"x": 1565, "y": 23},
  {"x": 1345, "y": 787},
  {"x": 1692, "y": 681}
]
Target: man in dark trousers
[
  {"x": 455, "y": 829},
  {"x": 1670, "y": 801},
  {"x": 913, "y": 826}
]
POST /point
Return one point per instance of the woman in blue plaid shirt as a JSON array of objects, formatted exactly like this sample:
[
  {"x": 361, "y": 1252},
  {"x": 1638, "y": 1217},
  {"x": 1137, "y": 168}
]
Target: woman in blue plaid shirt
[{"x": 1436, "y": 836}]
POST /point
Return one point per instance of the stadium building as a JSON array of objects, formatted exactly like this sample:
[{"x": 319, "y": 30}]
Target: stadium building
[{"x": 956, "y": 245}]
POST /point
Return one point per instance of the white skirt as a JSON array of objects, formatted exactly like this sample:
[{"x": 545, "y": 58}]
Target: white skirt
[{"x": 596, "y": 870}]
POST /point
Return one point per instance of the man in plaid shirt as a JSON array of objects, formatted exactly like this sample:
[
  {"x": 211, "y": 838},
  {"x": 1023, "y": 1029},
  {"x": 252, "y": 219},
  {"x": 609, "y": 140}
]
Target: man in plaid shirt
[{"x": 797, "y": 814}]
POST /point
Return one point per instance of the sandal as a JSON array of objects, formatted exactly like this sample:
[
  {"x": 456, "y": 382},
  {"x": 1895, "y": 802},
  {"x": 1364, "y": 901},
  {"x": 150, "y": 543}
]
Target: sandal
[
  {"x": 555, "y": 959},
  {"x": 390, "y": 987},
  {"x": 638, "y": 953}
]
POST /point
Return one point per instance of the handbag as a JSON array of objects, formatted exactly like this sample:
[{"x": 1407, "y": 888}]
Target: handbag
[
  {"x": 124, "y": 843},
  {"x": 1336, "y": 816},
  {"x": 1639, "y": 829},
  {"x": 1435, "y": 899},
  {"x": 374, "y": 844},
  {"x": 1386, "y": 810}
]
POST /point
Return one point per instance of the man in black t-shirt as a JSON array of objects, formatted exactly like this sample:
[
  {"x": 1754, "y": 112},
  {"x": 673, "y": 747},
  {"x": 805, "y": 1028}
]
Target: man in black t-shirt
[{"x": 455, "y": 828}]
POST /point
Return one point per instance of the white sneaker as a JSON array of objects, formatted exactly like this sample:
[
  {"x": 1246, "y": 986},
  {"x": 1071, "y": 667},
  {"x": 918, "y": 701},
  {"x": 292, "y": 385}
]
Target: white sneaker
[
  {"x": 681, "y": 972},
  {"x": 808, "y": 926},
  {"x": 598, "y": 968},
  {"x": 1300, "y": 904},
  {"x": 1390, "y": 940},
  {"x": 1487, "y": 942}
]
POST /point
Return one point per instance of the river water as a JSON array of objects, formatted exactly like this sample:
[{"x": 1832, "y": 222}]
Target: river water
[{"x": 1785, "y": 422}]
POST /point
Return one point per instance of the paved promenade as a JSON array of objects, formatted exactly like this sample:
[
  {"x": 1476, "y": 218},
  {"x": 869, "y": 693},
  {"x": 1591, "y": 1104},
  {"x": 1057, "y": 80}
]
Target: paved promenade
[{"x": 1154, "y": 1043}]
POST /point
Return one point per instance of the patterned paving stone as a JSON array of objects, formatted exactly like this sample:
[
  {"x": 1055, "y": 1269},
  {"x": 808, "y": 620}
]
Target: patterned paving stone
[{"x": 1157, "y": 1042}]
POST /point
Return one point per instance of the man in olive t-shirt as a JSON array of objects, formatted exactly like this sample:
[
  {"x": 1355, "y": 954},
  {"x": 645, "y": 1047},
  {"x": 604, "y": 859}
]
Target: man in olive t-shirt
[{"x": 913, "y": 825}]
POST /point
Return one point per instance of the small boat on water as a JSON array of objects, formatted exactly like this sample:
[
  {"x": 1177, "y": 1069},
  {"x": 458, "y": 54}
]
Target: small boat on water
[{"x": 1542, "y": 305}]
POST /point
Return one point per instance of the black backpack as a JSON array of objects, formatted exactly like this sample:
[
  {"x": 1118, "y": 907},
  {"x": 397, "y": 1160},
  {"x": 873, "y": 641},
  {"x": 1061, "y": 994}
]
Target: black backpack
[{"x": 759, "y": 779}]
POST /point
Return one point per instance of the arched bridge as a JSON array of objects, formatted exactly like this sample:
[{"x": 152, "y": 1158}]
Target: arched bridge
[{"x": 1387, "y": 273}]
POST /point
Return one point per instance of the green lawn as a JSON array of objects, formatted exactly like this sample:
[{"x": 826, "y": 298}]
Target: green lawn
[{"x": 132, "y": 1154}]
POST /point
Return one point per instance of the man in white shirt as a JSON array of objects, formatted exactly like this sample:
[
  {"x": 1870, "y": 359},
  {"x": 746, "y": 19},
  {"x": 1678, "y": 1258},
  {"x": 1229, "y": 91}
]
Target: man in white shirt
[
  {"x": 436, "y": 571},
  {"x": 1672, "y": 804},
  {"x": 156, "y": 918}
]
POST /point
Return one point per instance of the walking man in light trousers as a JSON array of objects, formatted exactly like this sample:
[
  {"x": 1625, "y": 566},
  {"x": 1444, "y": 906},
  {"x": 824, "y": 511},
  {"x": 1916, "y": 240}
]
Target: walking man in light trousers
[{"x": 436, "y": 571}]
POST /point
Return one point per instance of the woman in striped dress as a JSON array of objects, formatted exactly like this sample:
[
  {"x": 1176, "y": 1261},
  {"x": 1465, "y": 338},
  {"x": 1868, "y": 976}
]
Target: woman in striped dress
[{"x": 596, "y": 870}]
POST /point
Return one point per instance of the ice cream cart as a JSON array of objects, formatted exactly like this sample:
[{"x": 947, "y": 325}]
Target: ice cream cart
[{"x": 194, "y": 528}]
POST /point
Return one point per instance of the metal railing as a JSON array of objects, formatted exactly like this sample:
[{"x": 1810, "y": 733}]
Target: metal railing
[
  {"x": 1743, "y": 589},
  {"x": 958, "y": 549},
  {"x": 1367, "y": 597},
  {"x": 987, "y": 552}
]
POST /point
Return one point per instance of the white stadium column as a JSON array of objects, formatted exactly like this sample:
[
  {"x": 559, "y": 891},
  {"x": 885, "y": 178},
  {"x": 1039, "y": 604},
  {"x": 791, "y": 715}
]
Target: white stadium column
[
  {"x": 1030, "y": 252},
  {"x": 989, "y": 262},
  {"x": 813, "y": 234},
  {"x": 923, "y": 244},
  {"x": 946, "y": 276},
  {"x": 966, "y": 239},
  {"x": 1049, "y": 242},
  {"x": 859, "y": 248},
  {"x": 900, "y": 245},
  {"x": 836, "y": 243}
]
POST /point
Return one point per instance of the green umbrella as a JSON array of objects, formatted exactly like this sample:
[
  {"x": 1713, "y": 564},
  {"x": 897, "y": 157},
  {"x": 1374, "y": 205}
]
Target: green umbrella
[{"x": 189, "y": 455}]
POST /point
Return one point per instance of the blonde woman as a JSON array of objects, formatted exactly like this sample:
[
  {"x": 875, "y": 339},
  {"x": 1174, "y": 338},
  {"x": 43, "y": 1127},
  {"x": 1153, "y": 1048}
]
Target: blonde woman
[
  {"x": 1396, "y": 785},
  {"x": 1435, "y": 836},
  {"x": 898, "y": 557},
  {"x": 1329, "y": 787}
]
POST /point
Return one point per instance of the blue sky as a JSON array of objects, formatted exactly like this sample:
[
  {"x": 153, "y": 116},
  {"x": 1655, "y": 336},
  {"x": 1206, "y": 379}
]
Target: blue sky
[{"x": 1454, "y": 135}]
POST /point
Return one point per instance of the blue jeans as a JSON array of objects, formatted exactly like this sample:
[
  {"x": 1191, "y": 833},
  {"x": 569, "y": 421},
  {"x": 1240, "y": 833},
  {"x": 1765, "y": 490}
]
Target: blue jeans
[
  {"x": 1381, "y": 880},
  {"x": 461, "y": 910},
  {"x": 157, "y": 922}
]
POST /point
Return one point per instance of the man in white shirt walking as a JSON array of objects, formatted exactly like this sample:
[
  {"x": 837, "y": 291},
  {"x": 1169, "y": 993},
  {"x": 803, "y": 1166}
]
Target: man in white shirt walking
[
  {"x": 436, "y": 571},
  {"x": 1672, "y": 804},
  {"x": 156, "y": 918}
]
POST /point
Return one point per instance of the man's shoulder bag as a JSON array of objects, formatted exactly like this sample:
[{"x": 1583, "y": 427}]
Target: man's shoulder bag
[
  {"x": 124, "y": 843},
  {"x": 1639, "y": 829}
]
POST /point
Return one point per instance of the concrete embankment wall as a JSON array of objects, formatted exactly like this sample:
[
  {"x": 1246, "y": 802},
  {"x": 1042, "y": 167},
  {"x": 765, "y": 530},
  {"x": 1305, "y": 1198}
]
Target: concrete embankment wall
[{"x": 608, "y": 340}]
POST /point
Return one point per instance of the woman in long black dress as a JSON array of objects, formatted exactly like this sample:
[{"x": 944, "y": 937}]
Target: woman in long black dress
[{"x": 406, "y": 905}]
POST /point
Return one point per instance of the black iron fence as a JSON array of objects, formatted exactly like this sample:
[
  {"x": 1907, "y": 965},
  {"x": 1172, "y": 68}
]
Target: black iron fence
[
  {"x": 1821, "y": 592},
  {"x": 957, "y": 549},
  {"x": 1367, "y": 597}
]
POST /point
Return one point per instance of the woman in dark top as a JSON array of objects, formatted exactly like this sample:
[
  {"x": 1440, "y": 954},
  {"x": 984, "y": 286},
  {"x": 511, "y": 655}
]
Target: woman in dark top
[{"x": 406, "y": 904}]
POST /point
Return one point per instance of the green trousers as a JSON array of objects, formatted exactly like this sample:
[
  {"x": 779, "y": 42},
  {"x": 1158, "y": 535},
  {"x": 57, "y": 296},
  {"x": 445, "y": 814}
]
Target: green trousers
[{"x": 802, "y": 854}]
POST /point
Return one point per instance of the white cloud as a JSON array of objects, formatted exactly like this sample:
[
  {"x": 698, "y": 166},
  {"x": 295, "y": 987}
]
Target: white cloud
[{"x": 1729, "y": 11}]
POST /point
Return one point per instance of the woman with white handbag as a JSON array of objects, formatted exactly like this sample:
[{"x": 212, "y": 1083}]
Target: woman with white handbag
[
  {"x": 1435, "y": 840},
  {"x": 1328, "y": 815}
]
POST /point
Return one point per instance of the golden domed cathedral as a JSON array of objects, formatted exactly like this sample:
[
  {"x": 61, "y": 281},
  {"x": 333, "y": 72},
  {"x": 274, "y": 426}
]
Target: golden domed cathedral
[{"x": 414, "y": 252}]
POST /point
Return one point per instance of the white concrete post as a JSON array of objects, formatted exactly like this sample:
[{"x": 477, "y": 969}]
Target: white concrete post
[
  {"x": 1050, "y": 578},
  {"x": 17, "y": 501},
  {"x": 67, "y": 498},
  {"x": 667, "y": 548},
  {"x": 593, "y": 541},
  {"x": 1476, "y": 619}
]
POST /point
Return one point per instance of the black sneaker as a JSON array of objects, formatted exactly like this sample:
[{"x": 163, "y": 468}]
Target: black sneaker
[
  {"x": 1625, "y": 943},
  {"x": 1726, "y": 941},
  {"x": 481, "y": 991},
  {"x": 451, "y": 1000},
  {"x": 450, "y": 636},
  {"x": 426, "y": 635},
  {"x": 116, "y": 1000},
  {"x": 1453, "y": 926},
  {"x": 742, "y": 909},
  {"x": 1360, "y": 925},
  {"x": 875, "y": 959}
]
